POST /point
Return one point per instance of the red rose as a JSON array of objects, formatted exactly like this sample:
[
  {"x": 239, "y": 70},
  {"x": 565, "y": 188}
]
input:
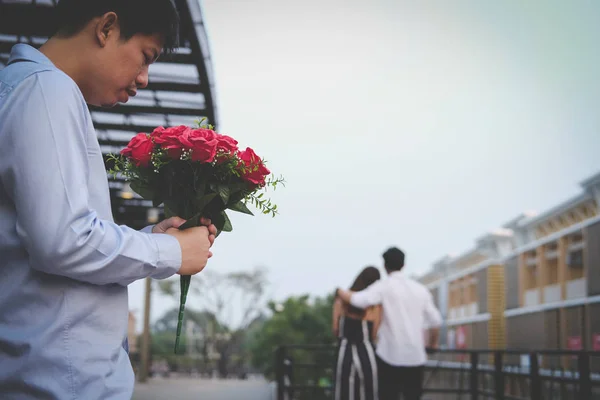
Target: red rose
[
  {"x": 226, "y": 144},
  {"x": 202, "y": 142},
  {"x": 254, "y": 170},
  {"x": 139, "y": 149},
  {"x": 157, "y": 131},
  {"x": 170, "y": 139}
]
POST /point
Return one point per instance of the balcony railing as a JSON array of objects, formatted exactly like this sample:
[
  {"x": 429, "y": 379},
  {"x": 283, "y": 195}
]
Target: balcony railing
[{"x": 307, "y": 372}]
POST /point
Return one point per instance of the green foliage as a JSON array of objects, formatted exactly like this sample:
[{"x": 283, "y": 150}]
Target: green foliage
[
  {"x": 234, "y": 302},
  {"x": 298, "y": 321},
  {"x": 163, "y": 337}
]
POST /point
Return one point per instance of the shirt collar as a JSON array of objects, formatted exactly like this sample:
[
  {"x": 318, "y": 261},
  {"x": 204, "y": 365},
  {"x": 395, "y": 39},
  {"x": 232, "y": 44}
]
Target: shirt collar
[
  {"x": 25, "y": 52},
  {"x": 397, "y": 274}
]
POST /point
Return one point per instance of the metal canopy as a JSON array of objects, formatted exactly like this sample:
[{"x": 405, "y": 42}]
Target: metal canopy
[{"x": 180, "y": 90}]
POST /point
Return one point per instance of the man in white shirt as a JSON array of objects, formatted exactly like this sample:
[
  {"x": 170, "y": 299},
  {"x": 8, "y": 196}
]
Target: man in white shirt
[{"x": 408, "y": 311}]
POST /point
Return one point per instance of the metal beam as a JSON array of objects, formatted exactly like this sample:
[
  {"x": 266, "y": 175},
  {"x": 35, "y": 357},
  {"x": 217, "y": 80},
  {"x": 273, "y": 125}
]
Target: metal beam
[
  {"x": 175, "y": 87},
  {"x": 123, "y": 127},
  {"x": 175, "y": 58},
  {"x": 201, "y": 55},
  {"x": 128, "y": 109}
]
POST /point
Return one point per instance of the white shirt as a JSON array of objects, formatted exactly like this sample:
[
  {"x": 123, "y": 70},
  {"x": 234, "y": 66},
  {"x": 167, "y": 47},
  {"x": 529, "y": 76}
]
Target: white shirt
[{"x": 408, "y": 310}]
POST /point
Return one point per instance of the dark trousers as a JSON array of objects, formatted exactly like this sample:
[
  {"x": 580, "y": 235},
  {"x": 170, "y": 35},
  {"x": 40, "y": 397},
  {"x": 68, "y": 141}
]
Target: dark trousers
[{"x": 394, "y": 381}]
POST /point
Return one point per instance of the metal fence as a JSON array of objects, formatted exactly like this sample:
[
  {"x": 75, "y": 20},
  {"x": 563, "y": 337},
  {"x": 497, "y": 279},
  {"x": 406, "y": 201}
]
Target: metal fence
[{"x": 307, "y": 372}]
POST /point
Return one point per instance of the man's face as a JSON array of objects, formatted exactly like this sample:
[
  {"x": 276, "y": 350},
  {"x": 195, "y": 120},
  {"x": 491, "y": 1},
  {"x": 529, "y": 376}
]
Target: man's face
[{"x": 120, "y": 68}]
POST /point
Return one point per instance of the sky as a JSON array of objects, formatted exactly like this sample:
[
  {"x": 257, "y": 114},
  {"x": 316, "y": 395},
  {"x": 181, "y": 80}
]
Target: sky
[{"x": 421, "y": 125}]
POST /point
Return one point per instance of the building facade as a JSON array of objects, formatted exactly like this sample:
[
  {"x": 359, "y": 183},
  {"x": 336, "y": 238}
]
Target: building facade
[{"x": 532, "y": 284}]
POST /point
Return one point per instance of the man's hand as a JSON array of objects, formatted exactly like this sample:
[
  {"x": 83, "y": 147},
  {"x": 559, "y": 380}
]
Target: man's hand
[
  {"x": 434, "y": 338},
  {"x": 212, "y": 230},
  {"x": 195, "y": 248},
  {"x": 165, "y": 224},
  {"x": 175, "y": 222}
]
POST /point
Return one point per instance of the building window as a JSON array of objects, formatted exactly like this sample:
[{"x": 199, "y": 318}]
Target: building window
[{"x": 575, "y": 264}]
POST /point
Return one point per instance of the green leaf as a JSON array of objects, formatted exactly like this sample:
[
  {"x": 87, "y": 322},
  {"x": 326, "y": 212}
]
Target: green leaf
[
  {"x": 218, "y": 221},
  {"x": 237, "y": 196},
  {"x": 200, "y": 190},
  {"x": 227, "y": 227},
  {"x": 169, "y": 209},
  {"x": 202, "y": 201},
  {"x": 224, "y": 192},
  {"x": 191, "y": 222},
  {"x": 157, "y": 201},
  {"x": 240, "y": 206},
  {"x": 142, "y": 189}
]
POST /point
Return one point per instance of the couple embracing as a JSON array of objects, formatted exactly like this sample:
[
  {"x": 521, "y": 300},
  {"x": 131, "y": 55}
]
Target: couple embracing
[{"x": 380, "y": 324}]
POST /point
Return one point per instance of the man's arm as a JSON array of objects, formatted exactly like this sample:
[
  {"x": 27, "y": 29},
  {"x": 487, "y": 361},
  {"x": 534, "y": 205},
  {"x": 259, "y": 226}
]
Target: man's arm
[
  {"x": 377, "y": 311},
  {"x": 433, "y": 320},
  {"x": 344, "y": 295},
  {"x": 368, "y": 297},
  {"x": 434, "y": 338},
  {"x": 44, "y": 169}
]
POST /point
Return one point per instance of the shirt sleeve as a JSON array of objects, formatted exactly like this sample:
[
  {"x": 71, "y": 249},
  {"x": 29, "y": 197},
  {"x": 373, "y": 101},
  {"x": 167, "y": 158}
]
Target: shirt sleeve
[
  {"x": 45, "y": 170},
  {"x": 368, "y": 297},
  {"x": 147, "y": 229},
  {"x": 433, "y": 317}
]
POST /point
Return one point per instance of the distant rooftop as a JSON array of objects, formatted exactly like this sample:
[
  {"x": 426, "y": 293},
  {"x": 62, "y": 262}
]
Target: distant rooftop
[{"x": 500, "y": 241}]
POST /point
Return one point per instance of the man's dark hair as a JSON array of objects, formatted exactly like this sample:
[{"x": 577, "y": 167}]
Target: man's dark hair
[
  {"x": 146, "y": 17},
  {"x": 393, "y": 259}
]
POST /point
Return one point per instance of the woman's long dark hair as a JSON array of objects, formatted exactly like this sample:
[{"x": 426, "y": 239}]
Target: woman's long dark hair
[{"x": 366, "y": 278}]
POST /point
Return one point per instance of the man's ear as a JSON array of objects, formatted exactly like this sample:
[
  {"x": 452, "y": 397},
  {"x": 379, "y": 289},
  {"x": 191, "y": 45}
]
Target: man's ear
[{"x": 107, "y": 26}]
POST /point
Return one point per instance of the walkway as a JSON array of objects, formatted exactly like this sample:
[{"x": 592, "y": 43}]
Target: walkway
[{"x": 203, "y": 389}]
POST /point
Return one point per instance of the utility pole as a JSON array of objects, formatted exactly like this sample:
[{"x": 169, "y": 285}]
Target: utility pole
[{"x": 145, "y": 348}]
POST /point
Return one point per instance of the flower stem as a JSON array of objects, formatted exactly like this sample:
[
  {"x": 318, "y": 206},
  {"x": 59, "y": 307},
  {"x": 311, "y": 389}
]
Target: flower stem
[{"x": 184, "y": 283}]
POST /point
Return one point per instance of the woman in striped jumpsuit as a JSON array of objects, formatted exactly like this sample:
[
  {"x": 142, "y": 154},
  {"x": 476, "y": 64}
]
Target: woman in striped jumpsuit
[{"x": 356, "y": 329}]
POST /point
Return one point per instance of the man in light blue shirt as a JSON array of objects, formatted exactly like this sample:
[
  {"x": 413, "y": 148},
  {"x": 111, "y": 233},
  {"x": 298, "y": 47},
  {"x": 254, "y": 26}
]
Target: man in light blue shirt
[{"x": 64, "y": 264}]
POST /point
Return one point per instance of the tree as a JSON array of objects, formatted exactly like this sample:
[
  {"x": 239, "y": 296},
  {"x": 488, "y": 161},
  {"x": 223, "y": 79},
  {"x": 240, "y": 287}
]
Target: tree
[
  {"x": 163, "y": 338},
  {"x": 233, "y": 300},
  {"x": 299, "y": 320}
]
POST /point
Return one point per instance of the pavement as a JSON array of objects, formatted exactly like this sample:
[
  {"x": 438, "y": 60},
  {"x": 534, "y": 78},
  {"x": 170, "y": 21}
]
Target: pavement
[{"x": 203, "y": 389}]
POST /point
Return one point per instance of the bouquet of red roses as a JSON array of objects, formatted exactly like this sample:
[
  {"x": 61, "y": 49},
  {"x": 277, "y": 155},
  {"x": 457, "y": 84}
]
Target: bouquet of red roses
[{"x": 194, "y": 173}]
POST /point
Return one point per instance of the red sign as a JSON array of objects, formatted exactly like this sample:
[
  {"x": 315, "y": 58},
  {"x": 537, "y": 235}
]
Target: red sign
[
  {"x": 461, "y": 337},
  {"x": 596, "y": 342},
  {"x": 574, "y": 343},
  {"x": 461, "y": 341}
]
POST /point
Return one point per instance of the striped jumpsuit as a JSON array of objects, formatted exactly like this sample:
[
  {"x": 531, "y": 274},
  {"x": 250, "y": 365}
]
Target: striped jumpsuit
[{"x": 356, "y": 366}]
